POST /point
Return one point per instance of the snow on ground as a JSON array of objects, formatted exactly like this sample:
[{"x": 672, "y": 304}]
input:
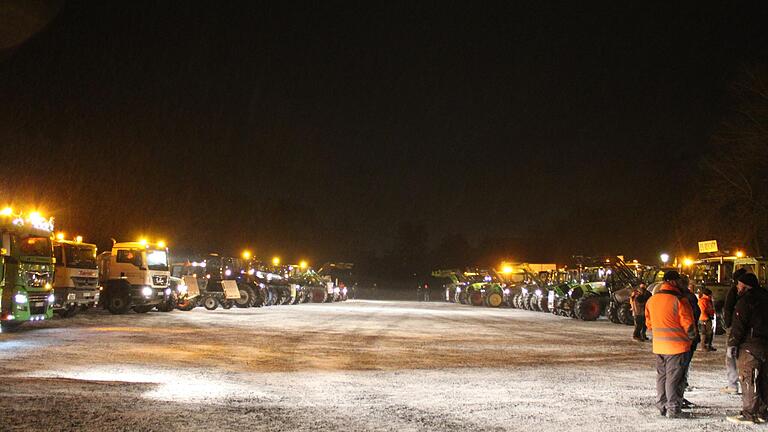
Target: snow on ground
[{"x": 354, "y": 366}]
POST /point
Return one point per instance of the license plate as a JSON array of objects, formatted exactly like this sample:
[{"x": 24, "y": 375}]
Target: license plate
[
  {"x": 71, "y": 296},
  {"x": 39, "y": 304}
]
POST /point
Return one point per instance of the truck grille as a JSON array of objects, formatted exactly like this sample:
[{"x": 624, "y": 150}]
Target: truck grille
[
  {"x": 85, "y": 282},
  {"x": 160, "y": 280},
  {"x": 38, "y": 302}
]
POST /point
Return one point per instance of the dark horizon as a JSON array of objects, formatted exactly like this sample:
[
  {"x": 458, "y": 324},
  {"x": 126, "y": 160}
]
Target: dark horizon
[{"x": 339, "y": 131}]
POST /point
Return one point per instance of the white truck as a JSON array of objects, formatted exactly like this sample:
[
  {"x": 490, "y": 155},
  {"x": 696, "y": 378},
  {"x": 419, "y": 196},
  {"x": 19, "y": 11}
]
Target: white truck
[
  {"x": 76, "y": 283},
  {"x": 135, "y": 275}
]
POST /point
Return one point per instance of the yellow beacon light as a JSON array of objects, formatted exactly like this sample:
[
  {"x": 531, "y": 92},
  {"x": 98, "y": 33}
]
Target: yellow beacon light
[
  {"x": 276, "y": 261},
  {"x": 60, "y": 236},
  {"x": 7, "y": 211},
  {"x": 161, "y": 244},
  {"x": 303, "y": 264},
  {"x": 246, "y": 254}
]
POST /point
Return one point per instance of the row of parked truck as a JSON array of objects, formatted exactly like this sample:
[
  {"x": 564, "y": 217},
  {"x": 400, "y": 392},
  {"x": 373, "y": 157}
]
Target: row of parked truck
[
  {"x": 591, "y": 287},
  {"x": 42, "y": 274}
]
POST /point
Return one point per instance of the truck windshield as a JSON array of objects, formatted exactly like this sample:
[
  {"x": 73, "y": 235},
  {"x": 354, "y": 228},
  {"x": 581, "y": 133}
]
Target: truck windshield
[
  {"x": 80, "y": 256},
  {"x": 34, "y": 246},
  {"x": 157, "y": 260},
  {"x": 713, "y": 272}
]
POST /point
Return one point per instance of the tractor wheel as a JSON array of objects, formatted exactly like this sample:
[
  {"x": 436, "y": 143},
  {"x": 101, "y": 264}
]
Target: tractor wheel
[
  {"x": 533, "y": 303},
  {"x": 461, "y": 297},
  {"x": 494, "y": 300},
  {"x": 612, "y": 312},
  {"x": 625, "y": 314},
  {"x": 119, "y": 302},
  {"x": 227, "y": 304},
  {"x": 515, "y": 300},
  {"x": 246, "y": 297},
  {"x": 186, "y": 304},
  {"x": 143, "y": 308},
  {"x": 543, "y": 303},
  {"x": 476, "y": 298},
  {"x": 525, "y": 301},
  {"x": 210, "y": 303},
  {"x": 588, "y": 308}
]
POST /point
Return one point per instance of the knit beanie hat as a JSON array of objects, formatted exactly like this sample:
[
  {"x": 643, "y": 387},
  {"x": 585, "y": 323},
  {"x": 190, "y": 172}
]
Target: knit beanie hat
[{"x": 749, "y": 279}]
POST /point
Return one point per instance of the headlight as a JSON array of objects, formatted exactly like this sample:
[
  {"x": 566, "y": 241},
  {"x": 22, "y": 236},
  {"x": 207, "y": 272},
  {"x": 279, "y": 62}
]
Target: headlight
[
  {"x": 458, "y": 290},
  {"x": 227, "y": 272},
  {"x": 146, "y": 291},
  {"x": 51, "y": 298},
  {"x": 344, "y": 291},
  {"x": 506, "y": 291},
  {"x": 20, "y": 298},
  {"x": 538, "y": 293},
  {"x": 182, "y": 289},
  {"x": 167, "y": 291}
]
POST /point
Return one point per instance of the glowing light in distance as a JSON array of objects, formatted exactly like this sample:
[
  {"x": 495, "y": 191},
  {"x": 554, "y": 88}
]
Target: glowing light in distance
[
  {"x": 60, "y": 236},
  {"x": 79, "y": 239},
  {"x": 246, "y": 254},
  {"x": 507, "y": 269},
  {"x": 143, "y": 241},
  {"x": 303, "y": 264},
  {"x": 739, "y": 254},
  {"x": 7, "y": 211},
  {"x": 161, "y": 244},
  {"x": 664, "y": 258},
  {"x": 276, "y": 261},
  {"x": 687, "y": 262}
]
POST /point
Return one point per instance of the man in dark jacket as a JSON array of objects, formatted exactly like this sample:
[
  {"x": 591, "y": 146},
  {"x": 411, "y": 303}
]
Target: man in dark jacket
[
  {"x": 688, "y": 358},
  {"x": 731, "y": 371},
  {"x": 637, "y": 301},
  {"x": 748, "y": 342}
]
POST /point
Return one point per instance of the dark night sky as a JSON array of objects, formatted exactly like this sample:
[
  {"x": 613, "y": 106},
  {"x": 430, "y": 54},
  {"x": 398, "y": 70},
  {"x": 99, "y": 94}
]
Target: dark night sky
[{"x": 318, "y": 128}]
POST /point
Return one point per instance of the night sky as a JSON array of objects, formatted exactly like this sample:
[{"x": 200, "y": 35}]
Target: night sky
[{"x": 322, "y": 129}]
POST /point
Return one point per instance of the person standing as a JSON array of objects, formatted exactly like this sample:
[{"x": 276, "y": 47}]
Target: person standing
[
  {"x": 669, "y": 317},
  {"x": 694, "y": 302},
  {"x": 748, "y": 342},
  {"x": 637, "y": 301},
  {"x": 427, "y": 293},
  {"x": 705, "y": 320},
  {"x": 731, "y": 371}
]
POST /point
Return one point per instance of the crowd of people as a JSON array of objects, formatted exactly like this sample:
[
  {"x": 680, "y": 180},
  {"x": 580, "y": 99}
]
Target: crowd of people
[{"x": 680, "y": 320}]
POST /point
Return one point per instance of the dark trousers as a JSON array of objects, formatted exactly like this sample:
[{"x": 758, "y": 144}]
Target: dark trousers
[
  {"x": 427, "y": 295},
  {"x": 754, "y": 384},
  {"x": 640, "y": 327},
  {"x": 707, "y": 333},
  {"x": 687, "y": 359},
  {"x": 669, "y": 375}
]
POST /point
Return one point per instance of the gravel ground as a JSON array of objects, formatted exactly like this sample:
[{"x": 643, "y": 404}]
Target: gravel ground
[{"x": 354, "y": 366}]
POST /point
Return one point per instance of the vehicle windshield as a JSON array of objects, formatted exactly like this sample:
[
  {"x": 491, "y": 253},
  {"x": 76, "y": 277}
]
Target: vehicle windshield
[
  {"x": 713, "y": 273},
  {"x": 34, "y": 246},
  {"x": 83, "y": 256},
  {"x": 157, "y": 260}
]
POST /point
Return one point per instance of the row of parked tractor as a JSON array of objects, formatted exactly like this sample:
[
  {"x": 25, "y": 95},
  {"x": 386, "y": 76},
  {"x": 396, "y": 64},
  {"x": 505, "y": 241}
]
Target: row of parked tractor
[
  {"x": 42, "y": 273},
  {"x": 589, "y": 288}
]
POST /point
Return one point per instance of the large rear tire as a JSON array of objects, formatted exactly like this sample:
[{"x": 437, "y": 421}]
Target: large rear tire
[
  {"x": 612, "y": 312},
  {"x": 625, "y": 314},
  {"x": 588, "y": 308},
  {"x": 246, "y": 297},
  {"x": 542, "y": 303},
  {"x": 533, "y": 303},
  {"x": 494, "y": 299},
  {"x": 476, "y": 298}
]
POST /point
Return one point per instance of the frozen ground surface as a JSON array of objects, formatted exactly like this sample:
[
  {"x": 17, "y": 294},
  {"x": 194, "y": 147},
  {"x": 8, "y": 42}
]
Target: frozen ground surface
[{"x": 355, "y": 366}]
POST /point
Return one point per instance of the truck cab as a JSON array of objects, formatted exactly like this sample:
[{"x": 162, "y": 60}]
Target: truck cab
[
  {"x": 26, "y": 268},
  {"x": 135, "y": 275},
  {"x": 76, "y": 285}
]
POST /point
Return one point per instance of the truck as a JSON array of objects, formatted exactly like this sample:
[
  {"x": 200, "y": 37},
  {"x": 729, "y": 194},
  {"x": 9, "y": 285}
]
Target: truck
[
  {"x": 26, "y": 268},
  {"x": 76, "y": 283},
  {"x": 715, "y": 271},
  {"x": 134, "y": 276}
]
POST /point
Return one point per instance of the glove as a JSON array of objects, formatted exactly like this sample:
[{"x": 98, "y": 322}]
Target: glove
[{"x": 733, "y": 352}]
